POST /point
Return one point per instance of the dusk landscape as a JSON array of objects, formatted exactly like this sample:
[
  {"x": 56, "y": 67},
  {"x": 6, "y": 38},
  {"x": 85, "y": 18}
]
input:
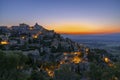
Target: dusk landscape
[{"x": 59, "y": 39}]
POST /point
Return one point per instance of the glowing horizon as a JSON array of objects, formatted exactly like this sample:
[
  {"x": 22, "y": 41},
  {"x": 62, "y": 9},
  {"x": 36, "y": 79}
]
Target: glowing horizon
[
  {"x": 79, "y": 28},
  {"x": 84, "y": 29}
]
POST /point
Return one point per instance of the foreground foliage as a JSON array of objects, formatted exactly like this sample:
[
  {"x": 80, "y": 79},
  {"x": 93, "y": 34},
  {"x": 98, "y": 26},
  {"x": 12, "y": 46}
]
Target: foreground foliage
[{"x": 16, "y": 66}]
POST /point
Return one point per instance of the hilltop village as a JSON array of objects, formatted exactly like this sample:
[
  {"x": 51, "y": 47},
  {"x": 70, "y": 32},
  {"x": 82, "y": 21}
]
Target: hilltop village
[
  {"x": 24, "y": 37},
  {"x": 49, "y": 56}
]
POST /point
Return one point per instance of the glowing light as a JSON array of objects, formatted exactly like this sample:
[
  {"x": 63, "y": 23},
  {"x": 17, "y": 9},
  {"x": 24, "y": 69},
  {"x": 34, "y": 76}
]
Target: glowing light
[
  {"x": 77, "y": 53},
  {"x": 4, "y": 42},
  {"x": 106, "y": 59},
  {"x": 87, "y": 49},
  {"x": 50, "y": 72},
  {"x": 31, "y": 28},
  {"x": 23, "y": 37},
  {"x": 76, "y": 59},
  {"x": 62, "y": 62},
  {"x": 35, "y": 36}
]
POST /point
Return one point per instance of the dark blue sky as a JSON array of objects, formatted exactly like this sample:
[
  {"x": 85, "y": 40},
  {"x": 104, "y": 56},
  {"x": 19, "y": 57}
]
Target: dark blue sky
[{"x": 61, "y": 13}]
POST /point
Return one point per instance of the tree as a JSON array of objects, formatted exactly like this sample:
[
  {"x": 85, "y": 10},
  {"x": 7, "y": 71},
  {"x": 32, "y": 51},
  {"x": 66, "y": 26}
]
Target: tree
[
  {"x": 105, "y": 73},
  {"x": 64, "y": 73},
  {"x": 53, "y": 49},
  {"x": 12, "y": 66},
  {"x": 37, "y": 75},
  {"x": 95, "y": 72}
]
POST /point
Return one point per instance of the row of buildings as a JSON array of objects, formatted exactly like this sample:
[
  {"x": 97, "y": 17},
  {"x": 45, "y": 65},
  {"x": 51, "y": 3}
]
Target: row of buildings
[{"x": 23, "y": 30}]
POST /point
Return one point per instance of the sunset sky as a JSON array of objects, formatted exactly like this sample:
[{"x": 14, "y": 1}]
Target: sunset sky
[{"x": 64, "y": 16}]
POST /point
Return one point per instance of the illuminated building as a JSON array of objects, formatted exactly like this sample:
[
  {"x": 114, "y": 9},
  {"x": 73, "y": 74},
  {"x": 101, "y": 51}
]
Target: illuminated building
[
  {"x": 76, "y": 59},
  {"x": 4, "y": 42}
]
